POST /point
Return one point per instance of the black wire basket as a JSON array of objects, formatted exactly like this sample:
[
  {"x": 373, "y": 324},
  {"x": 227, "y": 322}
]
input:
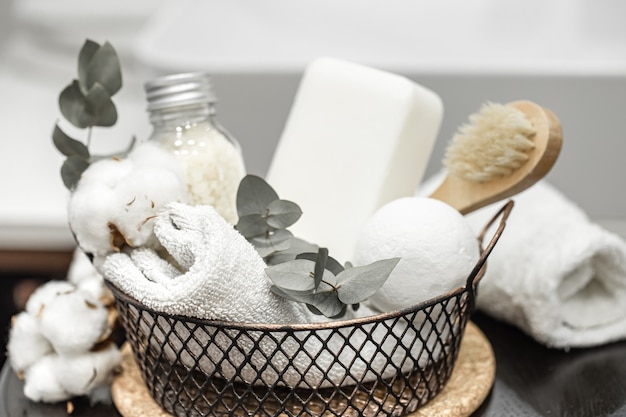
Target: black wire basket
[{"x": 384, "y": 365}]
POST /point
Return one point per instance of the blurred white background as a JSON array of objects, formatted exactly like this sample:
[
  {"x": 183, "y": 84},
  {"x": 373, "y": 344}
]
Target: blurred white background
[{"x": 568, "y": 55}]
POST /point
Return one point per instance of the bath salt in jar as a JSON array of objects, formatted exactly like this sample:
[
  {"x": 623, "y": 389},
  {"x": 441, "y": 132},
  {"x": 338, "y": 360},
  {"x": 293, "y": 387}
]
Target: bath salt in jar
[{"x": 182, "y": 112}]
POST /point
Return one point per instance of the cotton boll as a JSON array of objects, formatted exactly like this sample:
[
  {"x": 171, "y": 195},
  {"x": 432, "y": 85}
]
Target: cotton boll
[
  {"x": 79, "y": 374},
  {"x": 41, "y": 383},
  {"x": 106, "y": 172},
  {"x": 91, "y": 205},
  {"x": 141, "y": 194},
  {"x": 73, "y": 322},
  {"x": 46, "y": 293},
  {"x": 83, "y": 274},
  {"x": 89, "y": 214},
  {"x": 81, "y": 269},
  {"x": 116, "y": 200},
  {"x": 435, "y": 243},
  {"x": 26, "y": 343},
  {"x": 96, "y": 289}
]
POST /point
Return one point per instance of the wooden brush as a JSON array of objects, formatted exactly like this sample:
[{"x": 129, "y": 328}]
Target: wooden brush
[{"x": 503, "y": 150}]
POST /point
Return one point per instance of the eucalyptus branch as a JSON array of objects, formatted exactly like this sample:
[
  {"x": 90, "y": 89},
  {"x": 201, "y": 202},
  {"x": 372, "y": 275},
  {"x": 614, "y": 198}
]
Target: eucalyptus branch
[
  {"x": 300, "y": 271},
  {"x": 86, "y": 102}
]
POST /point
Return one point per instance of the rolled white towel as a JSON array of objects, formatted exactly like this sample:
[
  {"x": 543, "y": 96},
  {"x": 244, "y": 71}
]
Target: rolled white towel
[
  {"x": 554, "y": 273},
  {"x": 221, "y": 276}
]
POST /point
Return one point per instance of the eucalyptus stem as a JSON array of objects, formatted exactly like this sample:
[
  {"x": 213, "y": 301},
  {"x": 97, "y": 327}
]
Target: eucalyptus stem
[
  {"x": 334, "y": 288},
  {"x": 89, "y": 131}
]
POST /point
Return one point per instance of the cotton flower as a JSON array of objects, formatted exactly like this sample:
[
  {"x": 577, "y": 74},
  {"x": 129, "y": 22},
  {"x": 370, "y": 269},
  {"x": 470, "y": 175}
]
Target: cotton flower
[
  {"x": 58, "y": 377},
  {"x": 41, "y": 383},
  {"x": 73, "y": 322},
  {"x": 46, "y": 293},
  {"x": 86, "y": 277},
  {"x": 79, "y": 374},
  {"x": 116, "y": 199},
  {"x": 26, "y": 343},
  {"x": 57, "y": 344}
]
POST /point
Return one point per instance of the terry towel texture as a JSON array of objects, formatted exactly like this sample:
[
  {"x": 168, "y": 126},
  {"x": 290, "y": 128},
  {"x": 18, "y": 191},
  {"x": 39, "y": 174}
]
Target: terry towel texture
[
  {"x": 222, "y": 277},
  {"x": 555, "y": 273}
]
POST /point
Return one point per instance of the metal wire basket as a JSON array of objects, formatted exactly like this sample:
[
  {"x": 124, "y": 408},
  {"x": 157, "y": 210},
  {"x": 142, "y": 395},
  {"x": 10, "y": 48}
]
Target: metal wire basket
[{"x": 387, "y": 364}]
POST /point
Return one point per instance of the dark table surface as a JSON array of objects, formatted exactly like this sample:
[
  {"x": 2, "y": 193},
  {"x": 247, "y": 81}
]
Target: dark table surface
[{"x": 531, "y": 380}]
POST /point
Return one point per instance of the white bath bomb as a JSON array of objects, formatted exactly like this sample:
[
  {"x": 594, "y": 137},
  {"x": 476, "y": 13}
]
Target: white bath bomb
[{"x": 436, "y": 246}]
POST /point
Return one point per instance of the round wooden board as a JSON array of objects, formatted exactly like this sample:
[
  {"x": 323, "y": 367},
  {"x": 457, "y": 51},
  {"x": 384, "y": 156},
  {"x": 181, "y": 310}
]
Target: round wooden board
[{"x": 469, "y": 384}]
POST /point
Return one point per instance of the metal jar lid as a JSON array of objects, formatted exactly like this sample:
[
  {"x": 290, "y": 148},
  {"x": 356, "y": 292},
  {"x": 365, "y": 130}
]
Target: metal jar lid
[{"x": 179, "y": 90}]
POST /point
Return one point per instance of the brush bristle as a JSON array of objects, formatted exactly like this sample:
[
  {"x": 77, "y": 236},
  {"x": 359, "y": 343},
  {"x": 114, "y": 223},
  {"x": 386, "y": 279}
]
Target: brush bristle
[{"x": 494, "y": 143}]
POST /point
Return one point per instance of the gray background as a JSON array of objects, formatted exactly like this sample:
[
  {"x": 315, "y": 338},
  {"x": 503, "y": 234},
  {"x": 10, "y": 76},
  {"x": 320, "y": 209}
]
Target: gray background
[{"x": 567, "y": 55}]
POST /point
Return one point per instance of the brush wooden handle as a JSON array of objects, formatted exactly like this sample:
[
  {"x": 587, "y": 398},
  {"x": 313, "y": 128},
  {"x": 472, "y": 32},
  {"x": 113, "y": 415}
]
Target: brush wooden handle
[{"x": 467, "y": 196}]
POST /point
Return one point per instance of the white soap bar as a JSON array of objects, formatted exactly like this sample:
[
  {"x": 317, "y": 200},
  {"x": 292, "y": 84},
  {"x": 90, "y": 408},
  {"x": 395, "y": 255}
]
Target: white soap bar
[{"x": 356, "y": 138}]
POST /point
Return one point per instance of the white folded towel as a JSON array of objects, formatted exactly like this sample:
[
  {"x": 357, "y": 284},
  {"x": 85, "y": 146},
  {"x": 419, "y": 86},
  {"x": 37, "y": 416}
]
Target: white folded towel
[{"x": 554, "y": 273}]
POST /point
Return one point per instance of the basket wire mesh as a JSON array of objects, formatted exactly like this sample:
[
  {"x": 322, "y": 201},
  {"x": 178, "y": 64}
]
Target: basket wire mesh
[{"x": 384, "y": 365}]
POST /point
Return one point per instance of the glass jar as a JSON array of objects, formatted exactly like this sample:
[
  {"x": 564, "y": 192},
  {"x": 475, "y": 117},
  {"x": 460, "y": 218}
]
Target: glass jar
[{"x": 182, "y": 112}]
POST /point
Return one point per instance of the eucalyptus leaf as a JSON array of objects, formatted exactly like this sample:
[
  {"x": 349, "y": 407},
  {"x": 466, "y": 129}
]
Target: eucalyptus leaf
[
  {"x": 281, "y": 238},
  {"x": 284, "y": 276},
  {"x": 73, "y": 106},
  {"x": 68, "y": 146},
  {"x": 103, "y": 68},
  {"x": 314, "y": 310},
  {"x": 320, "y": 266},
  {"x": 331, "y": 263},
  {"x": 264, "y": 250},
  {"x": 325, "y": 301},
  {"x": 361, "y": 282},
  {"x": 85, "y": 56},
  {"x": 283, "y": 213},
  {"x": 254, "y": 195},
  {"x": 99, "y": 105},
  {"x": 293, "y": 275},
  {"x": 252, "y": 225},
  {"x": 341, "y": 313},
  {"x": 276, "y": 241},
  {"x": 72, "y": 169},
  {"x": 296, "y": 247}
]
